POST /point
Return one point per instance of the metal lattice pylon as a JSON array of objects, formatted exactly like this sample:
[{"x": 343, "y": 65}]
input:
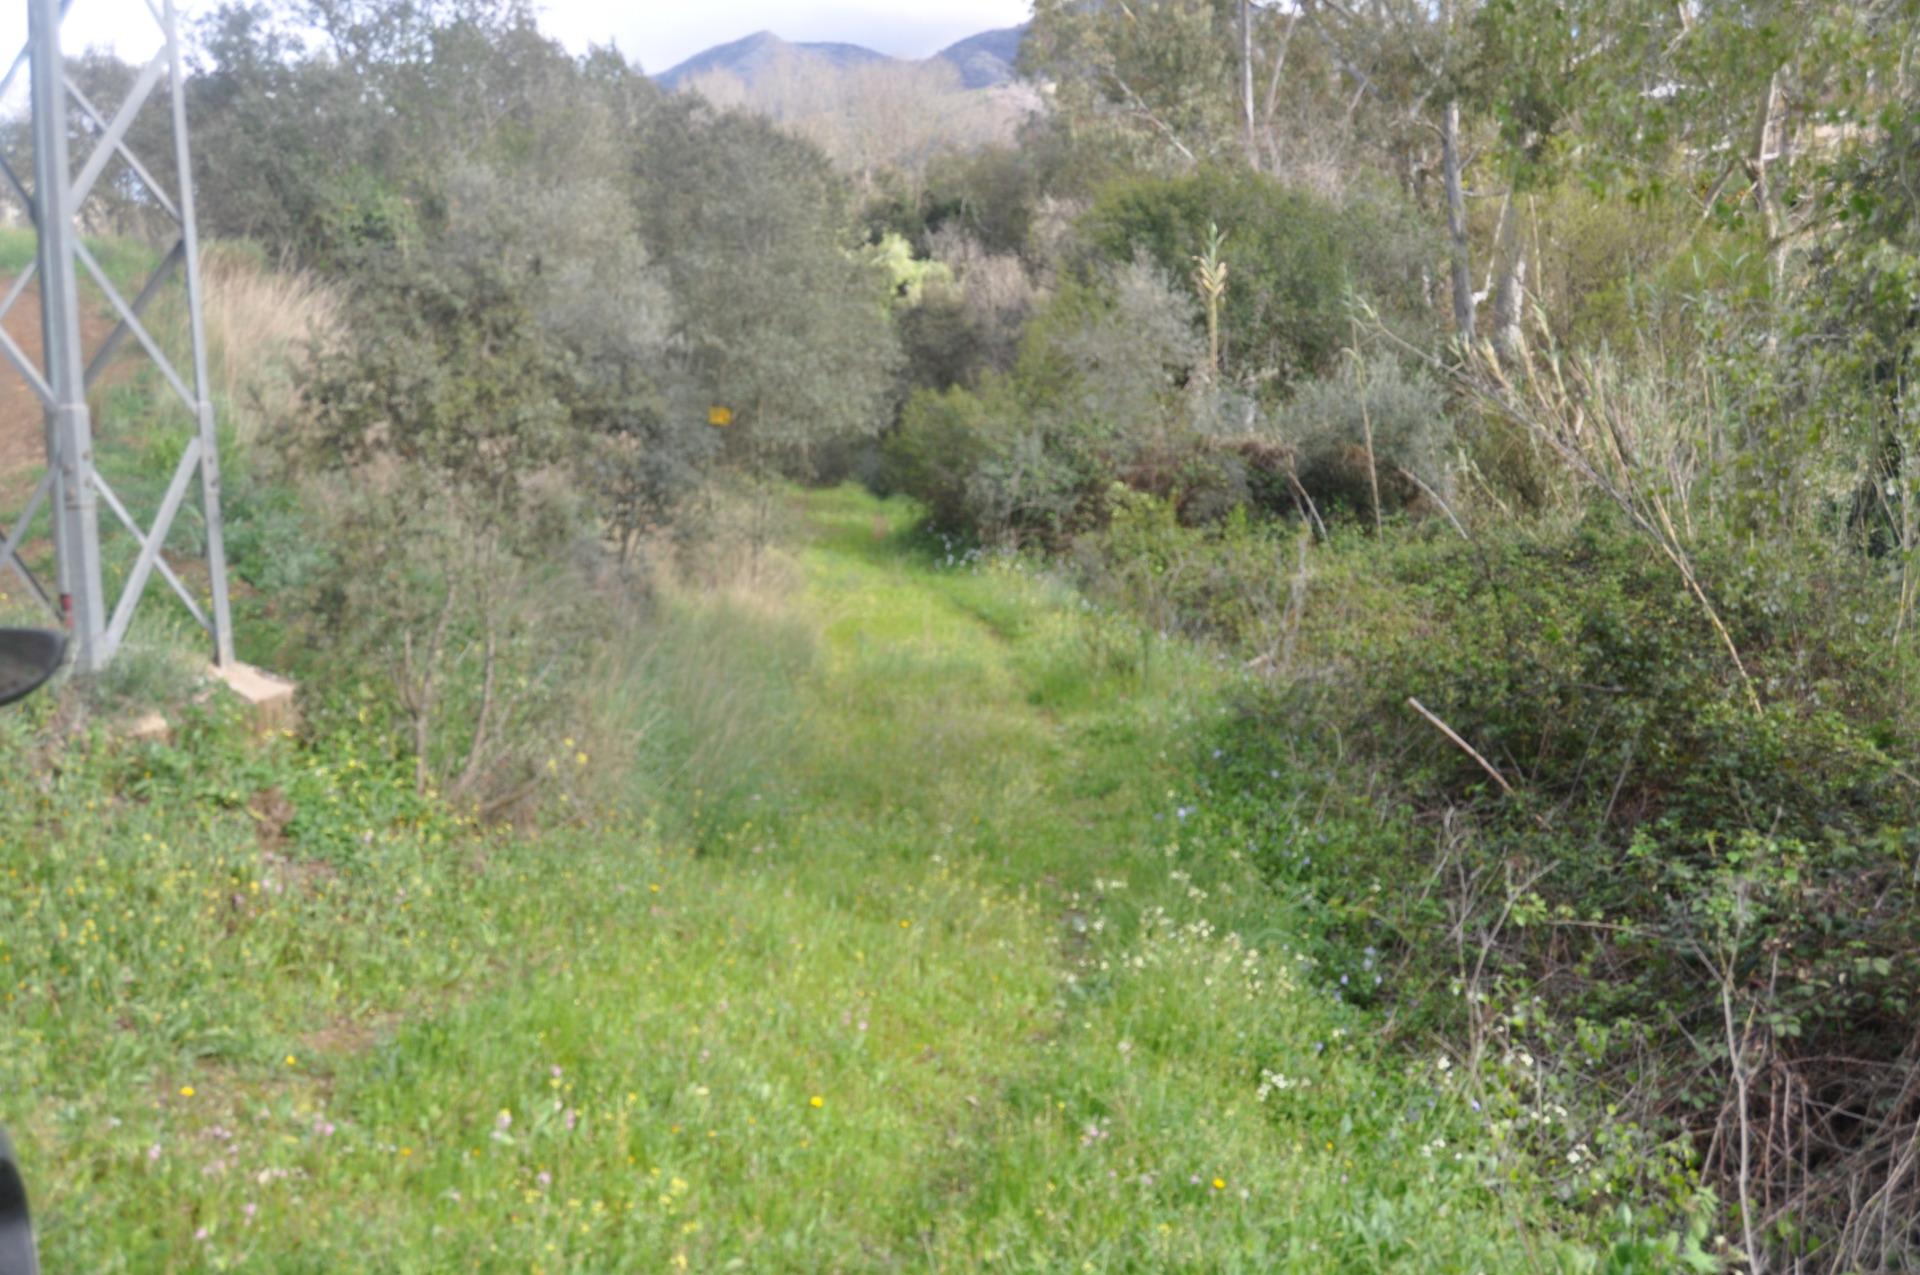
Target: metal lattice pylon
[{"x": 66, "y": 371}]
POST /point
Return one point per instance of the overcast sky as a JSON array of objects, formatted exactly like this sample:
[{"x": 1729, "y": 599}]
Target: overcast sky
[
  {"x": 660, "y": 33},
  {"x": 656, "y": 33}
]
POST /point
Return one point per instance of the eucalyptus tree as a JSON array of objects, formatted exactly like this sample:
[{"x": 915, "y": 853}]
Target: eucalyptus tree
[{"x": 1157, "y": 77}]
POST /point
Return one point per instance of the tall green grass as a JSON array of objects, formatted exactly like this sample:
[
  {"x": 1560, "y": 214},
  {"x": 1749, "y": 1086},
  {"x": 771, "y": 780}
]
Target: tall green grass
[
  {"x": 18, "y": 245},
  {"x": 125, "y": 262},
  {"x": 971, "y": 995}
]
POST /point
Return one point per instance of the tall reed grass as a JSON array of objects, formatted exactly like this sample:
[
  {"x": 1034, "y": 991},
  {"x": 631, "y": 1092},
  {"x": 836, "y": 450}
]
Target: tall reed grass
[{"x": 261, "y": 324}]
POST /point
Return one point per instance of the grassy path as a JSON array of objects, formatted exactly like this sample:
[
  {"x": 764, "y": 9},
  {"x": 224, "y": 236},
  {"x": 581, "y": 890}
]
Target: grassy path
[
  {"x": 971, "y": 1003},
  {"x": 918, "y": 973}
]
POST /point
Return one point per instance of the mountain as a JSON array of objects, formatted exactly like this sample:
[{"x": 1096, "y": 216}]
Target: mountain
[
  {"x": 988, "y": 59},
  {"x": 984, "y": 61},
  {"x": 748, "y": 57}
]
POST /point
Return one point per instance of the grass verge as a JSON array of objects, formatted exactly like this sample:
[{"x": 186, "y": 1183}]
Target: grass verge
[{"x": 906, "y": 956}]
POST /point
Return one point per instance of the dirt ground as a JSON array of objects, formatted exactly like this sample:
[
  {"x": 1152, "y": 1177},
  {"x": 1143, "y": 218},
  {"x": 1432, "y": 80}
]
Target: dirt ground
[
  {"x": 22, "y": 426},
  {"x": 22, "y": 421}
]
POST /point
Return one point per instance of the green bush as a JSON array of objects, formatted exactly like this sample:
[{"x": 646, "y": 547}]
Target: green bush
[
  {"x": 1101, "y": 393},
  {"x": 1295, "y": 261},
  {"x": 1654, "y": 849},
  {"x": 970, "y": 324},
  {"x": 1215, "y": 582},
  {"x": 942, "y": 439},
  {"x": 941, "y": 344},
  {"x": 1631, "y": 274},
  {"x": 1328, "y": 422},
  {"x": 1027, "y": 488},
  {"x": 989, "y": 194},
  {"x": 1580, "y": 665}
]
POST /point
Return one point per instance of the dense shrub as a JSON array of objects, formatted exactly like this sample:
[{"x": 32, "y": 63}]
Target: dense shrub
[
  {"x": 448, "y": 368},
  {"x": 1399, "y": 414},
  {"x": 1222, "y": 582},
  {"x": 941, "y": 342},
  {"x": 1295, "y": 261},
  {"x": 1100, "y": 393},
  {"x": 942, "y": 439},
  {"x": 989, "y": 194},
  {"x": 1581, "y": 666},
  {"x": 1623, "y": 275},
  {"x": 1656, "y": 860},
  {"x": 1114, "y": 355},
  {"x": 964, "y": 316}
]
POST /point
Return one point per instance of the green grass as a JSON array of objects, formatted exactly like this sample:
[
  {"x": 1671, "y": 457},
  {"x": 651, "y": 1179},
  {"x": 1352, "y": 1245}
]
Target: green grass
[
  {"x": 125, "y": 262},
  {"x": 902, "y": 959},
  {"x": 18, "y": 244}
]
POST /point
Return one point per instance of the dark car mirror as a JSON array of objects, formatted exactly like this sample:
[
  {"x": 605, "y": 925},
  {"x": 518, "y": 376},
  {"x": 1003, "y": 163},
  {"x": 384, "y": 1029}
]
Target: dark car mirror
[
  {"x": 17, "y": 1255},
  {"x": 28, "y": 657}
]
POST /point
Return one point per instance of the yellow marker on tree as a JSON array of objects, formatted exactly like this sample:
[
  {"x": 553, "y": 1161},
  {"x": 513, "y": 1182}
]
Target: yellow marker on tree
[{"x": 719, "y": 417}]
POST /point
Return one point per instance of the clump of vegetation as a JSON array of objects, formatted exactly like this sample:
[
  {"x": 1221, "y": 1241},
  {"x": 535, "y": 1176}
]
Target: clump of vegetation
[
  {"x": 1631, "y": 873},
  {"x": 1098, "y": 391},
  {"x": 1371, "y": 439},
  {"x": 1297, "y": 260}
]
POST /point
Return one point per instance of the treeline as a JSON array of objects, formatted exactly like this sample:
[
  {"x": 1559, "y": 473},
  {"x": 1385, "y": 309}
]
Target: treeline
[{"x": 527, "y": 278}]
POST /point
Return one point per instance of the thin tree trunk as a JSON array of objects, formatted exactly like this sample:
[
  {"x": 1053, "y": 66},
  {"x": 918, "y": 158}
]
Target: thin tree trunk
[
  {"x": 1246, "y": 79},
  {"x": 1373, "y": 464},
  {"x": 1770, "y": 144},
  {"x": 1510, "y": 286},
  {"x": 483, "y": 724},
  {"x": 422, "y": 688},
  {"x": 1273, "y": 92},
  {"x": 1457, "y": 220}
]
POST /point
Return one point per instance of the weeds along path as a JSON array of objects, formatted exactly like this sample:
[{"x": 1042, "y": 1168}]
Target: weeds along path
[
  {"x": 948, "y": 992},
  {"x": 914, "y": 972}
]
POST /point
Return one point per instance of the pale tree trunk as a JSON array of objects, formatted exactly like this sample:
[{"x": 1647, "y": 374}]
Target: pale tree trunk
[
  {"x": 1457, "y": 221},
  {"x": 1510, "y": 287},
  {"x": 1246, "y": 79},
  {"x": 1273, "y": 90},
  {"x": 1770, "y": 145}
]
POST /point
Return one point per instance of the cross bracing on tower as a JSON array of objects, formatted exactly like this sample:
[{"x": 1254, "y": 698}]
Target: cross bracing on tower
[{"x": 79, "y": 144}]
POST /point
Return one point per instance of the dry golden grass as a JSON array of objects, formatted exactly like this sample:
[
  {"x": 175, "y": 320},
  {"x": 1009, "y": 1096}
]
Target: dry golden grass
[{"x": 261, "y": 324}]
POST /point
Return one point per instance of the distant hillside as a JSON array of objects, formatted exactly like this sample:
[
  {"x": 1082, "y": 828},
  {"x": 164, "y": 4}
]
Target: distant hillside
[
  {"x": 748, "y": 57},
  {"x": 983, "y": 61},
  {"x": 986, "y": 60}
]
